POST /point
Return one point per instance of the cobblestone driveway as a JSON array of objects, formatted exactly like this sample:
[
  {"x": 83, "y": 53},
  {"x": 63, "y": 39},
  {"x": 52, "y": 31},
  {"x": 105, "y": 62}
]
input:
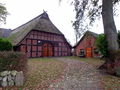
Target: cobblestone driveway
[{"x": 78, "y": 76}]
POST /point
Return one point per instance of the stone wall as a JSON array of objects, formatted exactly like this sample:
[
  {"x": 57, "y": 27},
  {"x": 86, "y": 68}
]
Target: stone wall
[{"x": 11, "y": 78}]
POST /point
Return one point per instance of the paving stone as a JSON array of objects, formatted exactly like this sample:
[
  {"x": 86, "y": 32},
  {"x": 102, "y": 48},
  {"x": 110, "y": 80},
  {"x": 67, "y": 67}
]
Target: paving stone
[
  {"x": 14, "y": 72},
  {"x": 4, "y": 73},
  {"x": 4, "y": 83},
  {"x": 5, "y": 79},
  {"x": 11, "y": 83},
  {"x": 9, "y": 78}
]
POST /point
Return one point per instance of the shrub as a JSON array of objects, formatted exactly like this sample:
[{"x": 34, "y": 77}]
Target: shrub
[
  {"x": 101, "y": 44},
  {"x": 10, "y": 60},
  {"x": 5, "y": 45}
]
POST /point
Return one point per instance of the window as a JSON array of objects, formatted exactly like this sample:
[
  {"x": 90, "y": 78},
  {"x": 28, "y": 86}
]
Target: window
[
  {"x": 82, "y": 52},
  {"x": 96, "y": 51},
  {"x": 39, "y": 41}
]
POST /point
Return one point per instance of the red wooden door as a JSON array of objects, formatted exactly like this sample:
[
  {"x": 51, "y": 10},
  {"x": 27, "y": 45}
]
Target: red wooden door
[
  {"x": 47, "y": 50},
  {"x": 50, "y": 50},
  {"x": 88, "y": 52}
]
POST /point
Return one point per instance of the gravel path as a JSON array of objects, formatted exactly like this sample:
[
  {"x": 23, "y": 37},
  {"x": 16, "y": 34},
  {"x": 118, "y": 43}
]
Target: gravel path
[{"x": 77, "y": 76}]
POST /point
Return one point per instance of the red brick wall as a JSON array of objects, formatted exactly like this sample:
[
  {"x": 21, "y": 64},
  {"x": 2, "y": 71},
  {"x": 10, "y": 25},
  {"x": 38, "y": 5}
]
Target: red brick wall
[{"x": 86, "y": 42}]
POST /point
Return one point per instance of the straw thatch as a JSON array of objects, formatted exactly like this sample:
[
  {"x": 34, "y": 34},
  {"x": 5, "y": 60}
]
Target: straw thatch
[{"x": 40, "y": 23}]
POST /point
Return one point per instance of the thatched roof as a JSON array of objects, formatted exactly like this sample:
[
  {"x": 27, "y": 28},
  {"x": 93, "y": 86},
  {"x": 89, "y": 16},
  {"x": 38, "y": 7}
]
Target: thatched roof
[
  {"x": 40, "y": 23},
  {"x": 4, "y": 32},
  {"x": 93, "y": 34},
  {"x": 86, "y": 33}
]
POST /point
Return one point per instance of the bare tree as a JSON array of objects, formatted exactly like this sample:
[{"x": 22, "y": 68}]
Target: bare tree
[
  {"x": 3, "y": 13},
  {"x": 92, "y": 9}
]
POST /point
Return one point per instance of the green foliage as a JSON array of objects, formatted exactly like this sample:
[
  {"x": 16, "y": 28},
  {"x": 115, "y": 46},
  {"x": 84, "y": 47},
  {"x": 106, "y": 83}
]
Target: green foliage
[
  {"x": 13, "y": 61},
  {"x": 5, "y": 45},
  {"x": 3, "y": 13},
  {"x": 101, "y": 44}
]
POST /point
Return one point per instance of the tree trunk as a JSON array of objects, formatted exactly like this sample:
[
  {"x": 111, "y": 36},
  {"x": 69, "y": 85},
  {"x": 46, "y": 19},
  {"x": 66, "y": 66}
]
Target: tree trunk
[
  {"x": 109, "y": 25},
  {"x": 109, "y": 31}
]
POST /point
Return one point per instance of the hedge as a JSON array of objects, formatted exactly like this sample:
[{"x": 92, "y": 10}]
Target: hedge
[
  {"x": 5, "y": 45},
  {"x": 10, "y": 60}
]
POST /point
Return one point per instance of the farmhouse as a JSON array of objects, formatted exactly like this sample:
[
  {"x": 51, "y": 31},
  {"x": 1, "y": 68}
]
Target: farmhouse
[
  {"x": 86, "y": 46},
  {"x": 40, "y": 38}
]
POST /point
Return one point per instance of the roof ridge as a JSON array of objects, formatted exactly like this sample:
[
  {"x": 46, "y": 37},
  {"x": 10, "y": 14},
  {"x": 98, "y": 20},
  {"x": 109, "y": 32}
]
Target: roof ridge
[
  {"x": 44, "y": 15},
  {"x": 26, "y": 23},
  {"x": 88, "y": 31},
  {"x": 91, "y": 32},
  {"x": 40, "y": 23}
]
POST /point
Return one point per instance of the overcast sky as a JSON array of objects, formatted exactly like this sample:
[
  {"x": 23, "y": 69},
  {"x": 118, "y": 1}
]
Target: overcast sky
[{"x": 21, "y": 11}]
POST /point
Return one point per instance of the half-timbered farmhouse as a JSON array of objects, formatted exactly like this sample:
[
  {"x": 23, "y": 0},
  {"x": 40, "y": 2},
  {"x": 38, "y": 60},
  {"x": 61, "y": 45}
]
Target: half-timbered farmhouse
[
  {"x": 40, "y": 38},
  {"x": 86, "y": 46}
]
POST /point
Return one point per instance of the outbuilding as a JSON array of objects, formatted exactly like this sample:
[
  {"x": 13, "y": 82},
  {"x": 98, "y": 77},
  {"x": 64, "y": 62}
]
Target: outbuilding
[{"x": 86, "y": 46}]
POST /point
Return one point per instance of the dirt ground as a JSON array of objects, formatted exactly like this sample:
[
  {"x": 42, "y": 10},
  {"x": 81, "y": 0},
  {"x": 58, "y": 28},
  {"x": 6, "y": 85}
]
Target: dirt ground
[{"x": 78, "y": 75}]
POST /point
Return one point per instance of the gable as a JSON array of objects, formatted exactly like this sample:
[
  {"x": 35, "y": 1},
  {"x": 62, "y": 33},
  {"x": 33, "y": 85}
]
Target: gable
[
  {"x": 88, "y": 36},
  {"x": 40, "y": 23}
]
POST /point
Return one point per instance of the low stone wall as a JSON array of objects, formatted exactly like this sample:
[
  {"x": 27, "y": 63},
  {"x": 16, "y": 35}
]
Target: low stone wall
[{"x": 11, "y": 78}]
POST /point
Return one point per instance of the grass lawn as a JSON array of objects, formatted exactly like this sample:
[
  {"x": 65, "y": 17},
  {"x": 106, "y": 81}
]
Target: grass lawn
[
  {"x": 41, "y": 73},
  {"x": 110, "y": 82}
]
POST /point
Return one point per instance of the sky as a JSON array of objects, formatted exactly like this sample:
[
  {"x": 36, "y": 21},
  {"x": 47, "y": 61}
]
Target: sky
[{"x": 22, "y": 11}]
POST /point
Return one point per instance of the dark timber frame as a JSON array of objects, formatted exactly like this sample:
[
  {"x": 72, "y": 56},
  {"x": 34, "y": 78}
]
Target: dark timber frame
[{"x": 33, "y": 43}]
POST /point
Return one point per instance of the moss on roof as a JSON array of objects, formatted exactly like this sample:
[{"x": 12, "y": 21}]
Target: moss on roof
[
  {"x": 40, "y": 23},
  {"x": 46, "y": 26}
]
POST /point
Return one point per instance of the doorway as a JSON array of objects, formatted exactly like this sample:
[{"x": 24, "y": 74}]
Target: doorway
[
  {"x": 88, "y": 52},
  {"x": 47, "y": 50}
]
